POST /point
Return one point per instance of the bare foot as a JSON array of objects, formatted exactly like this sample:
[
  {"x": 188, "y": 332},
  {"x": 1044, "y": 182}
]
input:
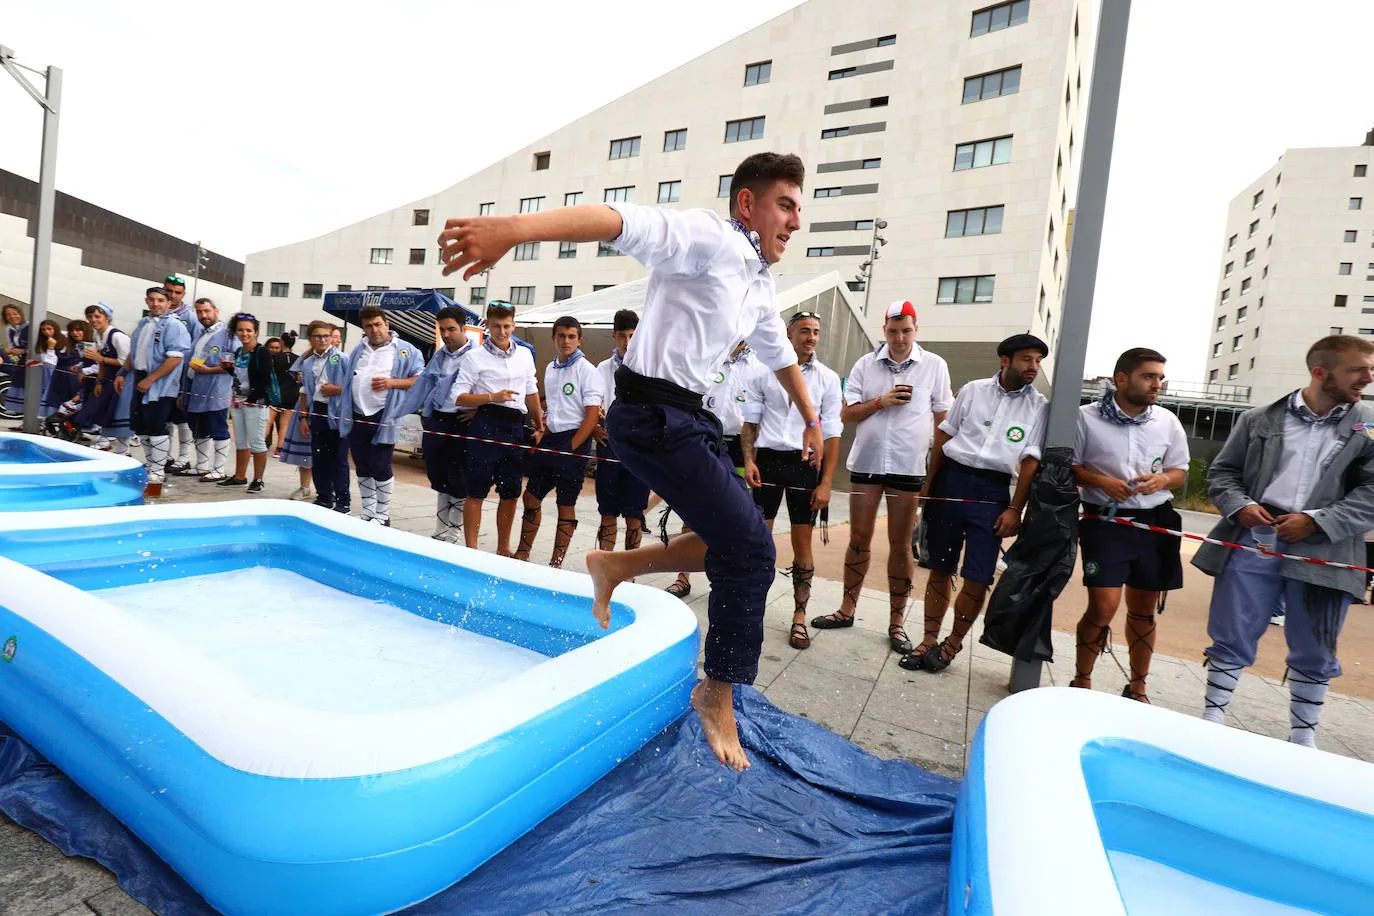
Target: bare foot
[
  {"x": 601, "y": 567},
  {"x": 714, "y": 702}
]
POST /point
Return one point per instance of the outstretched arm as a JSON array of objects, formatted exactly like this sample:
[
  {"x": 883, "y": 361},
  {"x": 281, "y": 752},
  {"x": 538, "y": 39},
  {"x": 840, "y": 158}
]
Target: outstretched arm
[{"x": 478, "y": 242}]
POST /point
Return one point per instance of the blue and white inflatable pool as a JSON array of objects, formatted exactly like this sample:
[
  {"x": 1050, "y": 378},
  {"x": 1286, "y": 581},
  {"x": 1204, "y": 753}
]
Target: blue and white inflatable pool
[
  {"x": 38, "y": 473},
  {"x": 303, "y": 713},
  {"x": 1078, "y": 802}
]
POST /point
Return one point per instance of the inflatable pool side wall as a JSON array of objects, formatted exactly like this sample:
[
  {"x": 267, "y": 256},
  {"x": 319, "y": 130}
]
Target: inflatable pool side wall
[{"x": 75, "y": 477}]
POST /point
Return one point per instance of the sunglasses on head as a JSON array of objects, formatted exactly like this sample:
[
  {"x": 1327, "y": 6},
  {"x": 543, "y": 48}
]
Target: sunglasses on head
[
  {"x": 801, "y": 316},
  {"x": 244, "y": 315},
  {"x": 173, "y": 278}
]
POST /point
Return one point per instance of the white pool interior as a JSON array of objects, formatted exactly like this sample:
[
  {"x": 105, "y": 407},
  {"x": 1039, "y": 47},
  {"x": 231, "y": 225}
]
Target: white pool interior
[
  {"x": 284, "y": 636},
  {"x": 1151, "y": 889}
]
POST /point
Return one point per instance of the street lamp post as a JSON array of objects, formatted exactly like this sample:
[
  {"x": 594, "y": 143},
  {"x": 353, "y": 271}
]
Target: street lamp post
[
  {"x": 865, "y": 274},
  {"x": 202, "y": 260},
  {"x": 50, "y": 98}
]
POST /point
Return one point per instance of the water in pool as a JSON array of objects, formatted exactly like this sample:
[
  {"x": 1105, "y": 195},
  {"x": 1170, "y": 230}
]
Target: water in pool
[
  {"x": 16, "y": 451},
  {"x": 1152, "y": 889},
  {"x": 294, "y": 639}
]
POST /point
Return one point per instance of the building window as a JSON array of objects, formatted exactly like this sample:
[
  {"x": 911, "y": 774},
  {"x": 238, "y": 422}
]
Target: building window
[
  {"x": 820, "y": 252},
  {"x": 831, "y": 133},
  {"x": 606, "y": 250},
  {"x": 1245, "y": 286},
  {"x": 1255, "y": 201},
  {"x": 1252, "y": 362},
  {"x": 1351, "y": 235},
  {"x": 1254, "y": 227},
  {"x": 1344, "y": 268},
  {"x": 975, "y": 221},
  {"x": 343, "y": 288},
  {"x": 757, "y": 74},
  {"x": 723, "y": 187},
  {"x": 1241, "y": 313},
  {"x": 477, "y": 295},
  {"x": 996, "y": 151},
  {"x": 873, "y": 163},
  {"x": 1212, "y": 376},
  {"x": 619, "y": 195},
  {"x": 991, "y": 85},
  {"x": 275, "y": 328},
  {"x": 541, "y": 161},
  {"x": 1341, "y": 299},
  {"x": 964, "y": 290},
  {"x": 674, "y": 140},
  {"x": 443, "y": 291},
  {"x": 486, "y": 209},
  {"x": 567, "y": 249},
  {"x": 280, "y": 290},
  {"x": 669, "y": 192},
  {"x": 999, "y": 17},
  {"x": 1226, "y": 294},
  {"x": 1231, "y": 243},
  {"x": 312, "y": 291},
  {"x": 380, "y": 256},
  {"x": 1232, "y": 371},
  {"x": 828, "y": 192},
  {"x": 1361, "y": 170},
  {"x": 1366, "y": 331},
  {"x": 598, "y": 287},
  {"x": 417, "y": 256},
  {"x": 373, "y": 289},
  {"x": 255, "y": 289},
  {"x": 1249, "y": 257},
  {"x": 527, "y": 251},
  {"x": 562, "y": 292},
  {"x": 626, "y": 148},
  {"x": 1256, "y": 334},
  {"x": 419, "y": 217},
  {"x": 1336, "y": 330},
  {"x": 1274, "y": 210},
  {"x": 745, "y": 129},
  {"x": 1230, "y": 266},
  {"x": 1216, "y": 349},
  {"x": 1221, "y": 322},
  {"x": 1042, "y": 302},
  {"x": 1356, "y": 203},
  {"x": 1049, "y": 235},
  {"x": 854, "y": 286},
  {"x": 886, "y": 40},
  {"x": 572, "y": 198},
  {"x": 843, "y": 73},
  {"x": 531, "y": 204},
  {"x": 1237, "y": 342},
  {"x": 1265, "y": 272},
  {"x": 522, "y": 295},
  {"x": 1269, "y": 242}
]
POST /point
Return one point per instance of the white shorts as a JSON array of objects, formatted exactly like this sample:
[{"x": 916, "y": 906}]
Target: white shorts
[{"x": 250, "y": 427}]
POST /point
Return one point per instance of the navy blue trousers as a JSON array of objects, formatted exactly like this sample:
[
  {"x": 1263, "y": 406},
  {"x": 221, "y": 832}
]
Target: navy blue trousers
[
  {"x": 681, "y": 456},
  {"x": 369, "y": 459},
  {"x": 329, "y": 461},
  {"x": 446, "y": 455}
]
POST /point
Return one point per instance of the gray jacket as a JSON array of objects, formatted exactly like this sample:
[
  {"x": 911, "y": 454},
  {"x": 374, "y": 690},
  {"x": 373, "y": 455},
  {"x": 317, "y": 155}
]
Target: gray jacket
[{"x": 1343, "y": 495}]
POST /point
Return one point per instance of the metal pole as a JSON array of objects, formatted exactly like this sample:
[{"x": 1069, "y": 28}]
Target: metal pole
[
  {"x": 872, "y": 263},
  {"x": 195, "y": 274},
  {"x": 1098, "y": 133},
  {"x": 42, "y": 247}
]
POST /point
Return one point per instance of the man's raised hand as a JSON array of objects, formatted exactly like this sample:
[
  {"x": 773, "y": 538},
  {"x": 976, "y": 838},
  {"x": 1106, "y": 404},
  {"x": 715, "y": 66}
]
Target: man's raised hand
[{"x": 476, "y": 243}]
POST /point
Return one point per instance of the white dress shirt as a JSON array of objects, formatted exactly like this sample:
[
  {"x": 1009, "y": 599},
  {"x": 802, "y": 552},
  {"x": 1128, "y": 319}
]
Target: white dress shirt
[
  {"x": 728, "y": 393},
  {"x": 708, "y": 289},
  {"x": 121, "y": 342},
  {"x": 568, "y": 393},
  {"x": 780, "y": 423},
  {"x": 994, "y": 429},
  {"x": 1306, "y": 448},
  {"x": 606, "y": 369},
  {"x": 1128, "y": 451},
  {"x": 487, "y": 369},
  {"x": 368, "y": 364},
  {"x": 896, "y": 440}
]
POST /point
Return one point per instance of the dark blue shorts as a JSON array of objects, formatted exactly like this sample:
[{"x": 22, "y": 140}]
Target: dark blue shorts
[
  {"x": 787, "y": 477},
  {"x": 952, "y": 528},
  {"x": 178, "y": 416},
  {"x": 210, "y": 424},
  {"x": 493, "y": 462},
  {"x": 149, "y": 419},
  {"x": 446, "y": 454},
  {"x": 618, "y": 492},
  {"x": 1114, "y": 555},
  {"x": 561, "y": 472}
]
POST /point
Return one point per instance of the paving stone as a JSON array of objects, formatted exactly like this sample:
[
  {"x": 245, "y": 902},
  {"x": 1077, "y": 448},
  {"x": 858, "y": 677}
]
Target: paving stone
[
  {"x": 931, "y": 704},
  {"x": 893, "y": 742},
  {"x": 114, "y": 902},
  {"x": 38, "y": 880},
  {"x": 828, "y": 698}
]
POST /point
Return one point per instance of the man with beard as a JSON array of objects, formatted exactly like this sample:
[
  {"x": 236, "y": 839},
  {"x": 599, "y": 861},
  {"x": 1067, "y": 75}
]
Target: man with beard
[
  {"x": 206, "y": 391},
  {"x": 1299, "y": 473},
  {"x": 152, "y": 368},
  {"x": 179, "y": 422},
  {"x": 1127, "y": 457},
  {"x": 990, "y": 436}
]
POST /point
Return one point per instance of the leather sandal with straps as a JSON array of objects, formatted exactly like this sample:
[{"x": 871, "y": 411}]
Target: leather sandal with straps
[
  {"x": 799, "y": 638},
  {"x": 898, "y": 640},
  {"x": 835, "y": 621}
]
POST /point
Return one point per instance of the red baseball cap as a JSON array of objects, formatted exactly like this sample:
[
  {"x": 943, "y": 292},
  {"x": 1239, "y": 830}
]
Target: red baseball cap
[{"x": 899, "y": 308}]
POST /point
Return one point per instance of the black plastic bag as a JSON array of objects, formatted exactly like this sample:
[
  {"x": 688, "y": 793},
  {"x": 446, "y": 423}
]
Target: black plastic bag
[{"x": 1039, "y": 564}]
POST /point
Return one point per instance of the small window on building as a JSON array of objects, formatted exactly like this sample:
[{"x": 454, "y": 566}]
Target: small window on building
[
  {"x": 567, "y": 250},
  {"x": 619, "y": 195},
  {"x": 1344, "y": 269},
  {"x": 255, "y": 288},
  {"x": 477, "y": 295},
  {"x": 1351, "y": 235},
  {"x": 745, "y": 129},
  {"x": 280, "y": 290},
  {"x": 1226, "y": 294},
  {"x": 1232, "y": 371},
  {"x": 1221, "y": 322},
  {"x": 562, "y": 292},
  {"x": 417, "y": 256},
  {"x": 1356, "y": 203},
  {"x": 832, "y": 133},
  {"x": 541, "y": 161},
  {"x": 572, "y": 198},
  {"x": 380, "y": 256},
  {"x": 522, "y": 295},
  {"x": 605, "y": 250},
  {"x": 976, "y": 221},
  {"x": 527, "y": 251},
  {"x": 1216, "y": 349},
  {"x": 843, "y": 73},
  {"x": 1255, "y": 201},
  {"x": 1361, "y": 170},
  {"x": 1230, "y": 266},
  {"x": 1001, "y": 16},
  {"x": 1254, "y": 227},
  {"x": 1231, "y": 243},
  {"x": 1249, "y": 257},
  {"x": 826, "y": 252},
  {"x": 992, "y": 85},
  {"x": 674, "y": 140},
  {"x": 828, "y": 192},
  {"x": 531, "y": 204},
  {"x": 446, "y": 291},
  {"x": 275, "y": 328},
  {"x": 1241, "y": 313},
  {"x": 598, "y": 287},
  {"x": 312, "y": 291},
  {"x": 756, "y": 74},
  {"x": 1336, "y": 330},
  {"x": 626, "y": 148},
  {"x": 419, "y": 217},
  {"x": 996, "y": 151},
  {"x": 486, "y": 209},
  {"x": 873, "y": 163},
  {"x": 669, "y": 192},
  {"x": 1341, "y": 300},
  {"x": 886, "y": 40},
  {"x": 723, "y": 187},
  {"x": 344, "y": 288},
  {"x": 1245, "y": 286},
  {"x": 964, "y": 290}
]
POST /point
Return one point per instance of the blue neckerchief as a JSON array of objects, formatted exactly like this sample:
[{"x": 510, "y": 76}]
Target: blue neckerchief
[
  {"x": 746, "y": 352},
  {"x": 753, "y": 238},
  {"x": 894, "y": 367},
  {"x": 809, "y": 364},
  {"x": 616, "y": 359},
  {"x": 1112, "y": 412},
  {"x": 494, "y": 350},
  {"x": 1298, "y": 408},
  {"x": 572, "y": 360}
]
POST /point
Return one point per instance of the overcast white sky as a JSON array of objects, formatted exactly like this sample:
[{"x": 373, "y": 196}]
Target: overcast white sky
[{"x": 251, "y": 124}]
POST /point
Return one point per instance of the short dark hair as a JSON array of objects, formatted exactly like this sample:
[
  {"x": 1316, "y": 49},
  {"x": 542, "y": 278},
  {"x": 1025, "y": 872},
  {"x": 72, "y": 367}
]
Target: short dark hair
[
  {"x": 207, "y": 300},
  {"x": 161, "y": 291},
  {"x": 368, "y": 312},
  {"x": 241, "y": 317},
  {"x": 1134, "y": 358},
  {"x": 761, "y": 170},
  {"x": 456, "y": 314},
  {"x": 172, "y": 281},
  {"x": 1325, "y": 351},
  {"x": 567, "y": 321},
  {"x": 625, "y": 320}
]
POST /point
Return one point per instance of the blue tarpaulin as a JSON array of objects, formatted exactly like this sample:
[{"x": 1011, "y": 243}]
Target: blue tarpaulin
[{"x": 816, "y": 825}]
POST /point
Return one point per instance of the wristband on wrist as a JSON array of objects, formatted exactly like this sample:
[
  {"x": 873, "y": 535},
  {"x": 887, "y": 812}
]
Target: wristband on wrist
[
  {"x": 877, "y": 404},
  {"x": 812, "y": 424}
]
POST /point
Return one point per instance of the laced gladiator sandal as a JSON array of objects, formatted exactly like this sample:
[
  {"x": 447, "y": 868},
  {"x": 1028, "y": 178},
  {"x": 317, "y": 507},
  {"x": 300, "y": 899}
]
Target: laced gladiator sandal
[
  {"x": 679, "y": 589},
  {"x": 799, "y": 638},
  {"x": 1096, "y": 645}
]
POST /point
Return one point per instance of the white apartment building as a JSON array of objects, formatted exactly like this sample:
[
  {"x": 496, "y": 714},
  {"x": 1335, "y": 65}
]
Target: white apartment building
[
  {"x": 1297, "y": 264},
  {"x": 953, "y": 121}
]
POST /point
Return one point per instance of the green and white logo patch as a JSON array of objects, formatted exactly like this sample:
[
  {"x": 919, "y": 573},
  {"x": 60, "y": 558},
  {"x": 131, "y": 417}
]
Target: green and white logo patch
[
  {"x": 1015, "y": 434},
  {"x": 718, "y": 377},
  {"x": 11, "y": 647},
  {"x": 1157, "y": 465},
  {"x": 569, "y": 388},
  {"x": 1090, "y": 569}
]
